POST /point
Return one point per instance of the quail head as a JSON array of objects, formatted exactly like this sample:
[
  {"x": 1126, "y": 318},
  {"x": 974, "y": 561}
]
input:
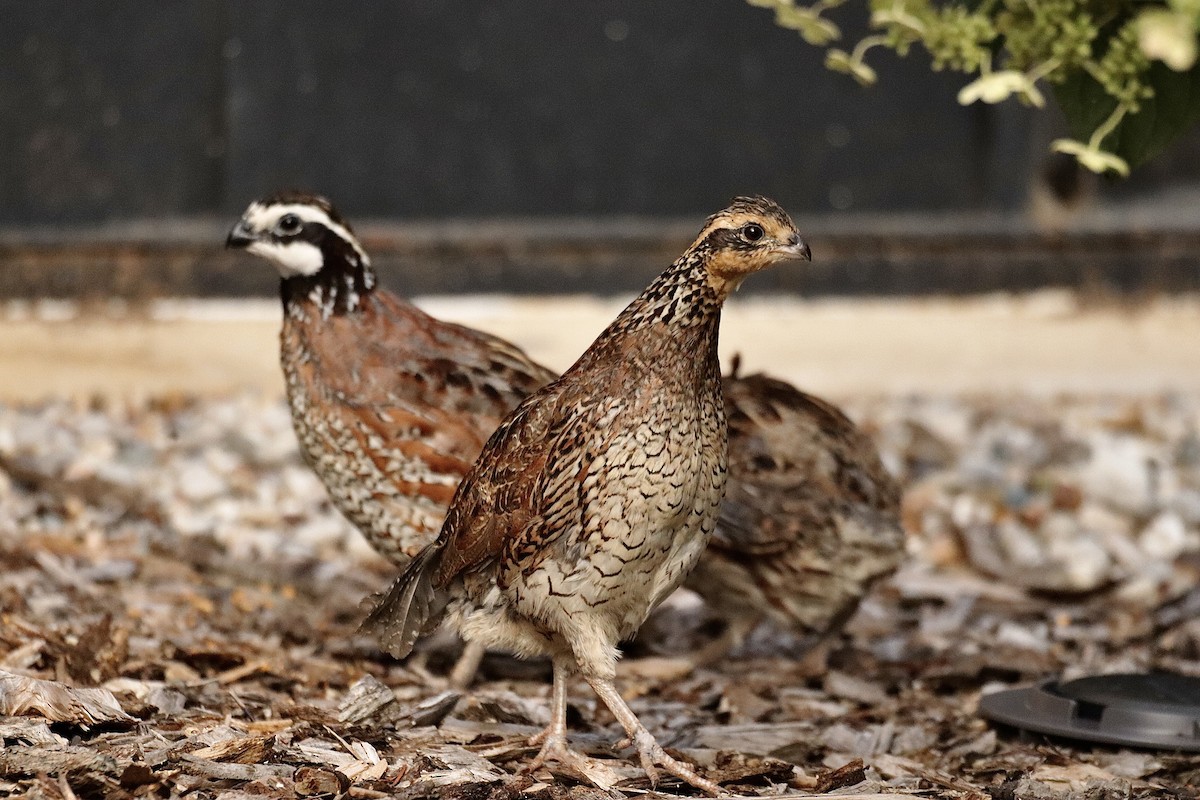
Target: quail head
[{"x": 594, "y": 499}]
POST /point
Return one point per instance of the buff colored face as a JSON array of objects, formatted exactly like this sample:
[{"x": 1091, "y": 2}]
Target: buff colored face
[{"x": 746, "y": 242}]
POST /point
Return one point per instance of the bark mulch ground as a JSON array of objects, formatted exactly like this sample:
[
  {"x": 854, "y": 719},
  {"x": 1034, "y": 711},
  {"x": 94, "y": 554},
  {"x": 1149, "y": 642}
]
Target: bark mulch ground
[{"x": 178, "y": 605}]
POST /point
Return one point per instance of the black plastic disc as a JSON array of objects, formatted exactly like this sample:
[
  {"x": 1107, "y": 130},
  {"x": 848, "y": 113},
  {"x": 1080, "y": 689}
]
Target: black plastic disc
[{"x": 1158, "y": 710}]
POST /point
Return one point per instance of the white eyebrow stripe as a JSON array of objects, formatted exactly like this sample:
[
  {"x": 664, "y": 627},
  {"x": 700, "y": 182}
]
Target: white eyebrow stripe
[{"x": 263, "y": 218}]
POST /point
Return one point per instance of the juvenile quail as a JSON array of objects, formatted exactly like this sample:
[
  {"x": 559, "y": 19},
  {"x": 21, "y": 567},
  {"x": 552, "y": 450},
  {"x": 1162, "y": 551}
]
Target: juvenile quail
[
  {"x": 594, "y": 499},
  {"x": 810, "y": 520},
  {"x": 390, "y": 405}
]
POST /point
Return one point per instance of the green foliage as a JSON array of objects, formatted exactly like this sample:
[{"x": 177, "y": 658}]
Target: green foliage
[
  {"x": 1174, "y": 107},
  {"x": 1124, "y": 72},
  {"x": 958, "y": 39}
]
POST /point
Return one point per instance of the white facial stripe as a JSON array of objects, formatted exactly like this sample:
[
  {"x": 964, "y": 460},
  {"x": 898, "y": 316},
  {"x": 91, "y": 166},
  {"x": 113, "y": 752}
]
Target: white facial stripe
[
  {"x": 263, "y": 218},
  {"x": 291, "y": 258}
]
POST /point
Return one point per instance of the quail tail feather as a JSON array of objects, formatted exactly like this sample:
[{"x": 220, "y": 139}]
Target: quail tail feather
[{"x": 410, "y": 606}]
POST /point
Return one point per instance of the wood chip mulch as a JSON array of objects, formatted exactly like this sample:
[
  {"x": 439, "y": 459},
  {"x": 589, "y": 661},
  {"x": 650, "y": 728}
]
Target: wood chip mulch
[{"x": 178, "y": 605}]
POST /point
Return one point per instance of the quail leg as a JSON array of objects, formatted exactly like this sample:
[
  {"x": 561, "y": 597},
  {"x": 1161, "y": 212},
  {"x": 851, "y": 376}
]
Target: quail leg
[
  {"x": 737, "y": 628},
  {"x": 554, "y": 737},
  {"x": 463, "y": 674},
  {"x": 554, "y": 741},
  {"x": 650, "y": 752}
]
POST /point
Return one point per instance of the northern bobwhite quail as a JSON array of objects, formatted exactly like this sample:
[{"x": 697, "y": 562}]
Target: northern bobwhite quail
[
  {"x": 810, "y": 520},
  {"x": 594, "y": 499},
  {"x": 390, "y": 405}
]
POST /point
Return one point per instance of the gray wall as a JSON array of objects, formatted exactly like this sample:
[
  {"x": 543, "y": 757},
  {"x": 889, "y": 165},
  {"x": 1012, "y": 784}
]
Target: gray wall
[{"x": 118, "y": 110}]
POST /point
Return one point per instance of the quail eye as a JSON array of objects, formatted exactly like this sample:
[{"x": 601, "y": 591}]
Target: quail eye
[
  {"x": 288, "y": 223},
  {"x": 752, "y": 232}
]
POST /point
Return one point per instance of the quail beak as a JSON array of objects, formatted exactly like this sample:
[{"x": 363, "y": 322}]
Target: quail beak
[
  {"x": 796, "y": 248},
  {"x": 241, "y": 236}
]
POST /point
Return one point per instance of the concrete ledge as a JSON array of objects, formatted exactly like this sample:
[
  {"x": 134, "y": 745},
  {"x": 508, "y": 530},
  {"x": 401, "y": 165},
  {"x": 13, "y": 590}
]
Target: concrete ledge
[{"x": 854, "y": 255}]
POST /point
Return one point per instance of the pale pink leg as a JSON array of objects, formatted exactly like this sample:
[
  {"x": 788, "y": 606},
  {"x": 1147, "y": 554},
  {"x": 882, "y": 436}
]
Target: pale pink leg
[
  {"x": 554, "y": 737},
  {"x": 554, "y": 741},
  {"x": 463, "y": 674}
]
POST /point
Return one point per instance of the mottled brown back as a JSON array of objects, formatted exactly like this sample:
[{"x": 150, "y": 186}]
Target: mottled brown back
[{"x": 811, "y": 516}]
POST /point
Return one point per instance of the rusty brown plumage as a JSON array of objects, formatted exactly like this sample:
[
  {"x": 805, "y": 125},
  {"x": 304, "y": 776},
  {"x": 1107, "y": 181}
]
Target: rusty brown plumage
[
  {"x": 594, "y": 499},
  {"x": 390, "y": 405}
]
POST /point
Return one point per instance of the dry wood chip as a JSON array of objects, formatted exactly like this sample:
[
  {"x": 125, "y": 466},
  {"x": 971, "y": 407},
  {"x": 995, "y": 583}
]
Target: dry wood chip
[
  {"x": 447, "y": 765},
  {"x": 761, "y": 739},
  {"x": 849, "y": 687},
  {"x": 731, "y": 767},
  {"x": 358, "y": 761},
  {"x": 892, "y": 766},
  {"x": 603, "y": 773},
  {"x": 862, "y": 796},
  {"x": 41, "y": 760},
  {"x": 982, "y": 745},
  {"x": 323, "y": 752},
  {"x": 868, "y": 741},
  {"x": 367, "y": 699},
  {"x": 273, "y": 774},
  {"x": 241, "y": 672},
  {"x": 25, "y": 656},
  {"x": 28, "y": 731},
  {"x": 309, "y": 781},
  {"x": 1071, "y": 776},
  {"x": 502, "y": 706},
  {"x": 362, "y": 762},
  {"x": 742, "y": 703},
  {"x": 242, "y": 750},
  {"x": 360, "y": 770},
  {"x": 57, "y": 702},
  {"x": 849, "y": 774},
  {"x": 656, "y": 668},
  {"x": 136, "y": 775},
  {"x": 99, "y": 652},
  {"x": 432, "y": 710}
]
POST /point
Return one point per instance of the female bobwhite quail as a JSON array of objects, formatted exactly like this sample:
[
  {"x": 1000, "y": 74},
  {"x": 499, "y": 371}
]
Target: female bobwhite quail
[
  {"x": 593, "y": 500},
  {"x": 810, "y": 520}
]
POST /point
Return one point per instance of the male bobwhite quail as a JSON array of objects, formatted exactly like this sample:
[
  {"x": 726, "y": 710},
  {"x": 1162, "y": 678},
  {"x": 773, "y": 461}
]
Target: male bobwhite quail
[
  {"x": 391, "y": 406},
  {"x": 593, "y": 500},
  {"x": 810, "y": 520}
]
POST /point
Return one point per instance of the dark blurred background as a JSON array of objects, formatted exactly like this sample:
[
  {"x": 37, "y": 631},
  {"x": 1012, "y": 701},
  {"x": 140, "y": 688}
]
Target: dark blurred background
[{"x": 139, "y": 130}]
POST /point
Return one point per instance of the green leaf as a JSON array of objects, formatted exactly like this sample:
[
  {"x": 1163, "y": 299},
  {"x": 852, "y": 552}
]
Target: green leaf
[{"x": 1174, "y": 108}]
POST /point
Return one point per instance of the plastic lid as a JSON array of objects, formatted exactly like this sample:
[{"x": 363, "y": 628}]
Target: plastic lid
[{"x": 1158, "y": 710}]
